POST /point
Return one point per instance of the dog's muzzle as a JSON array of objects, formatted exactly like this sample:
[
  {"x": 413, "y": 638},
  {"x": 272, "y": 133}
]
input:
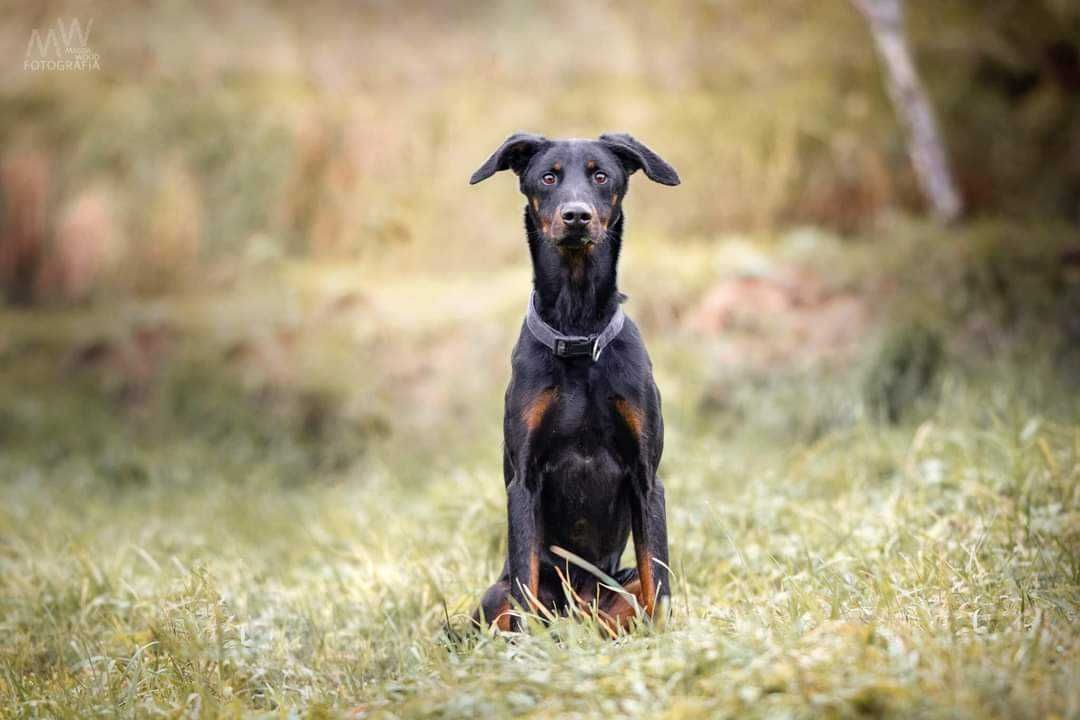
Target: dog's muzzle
[{"x": 574, "y": 225}]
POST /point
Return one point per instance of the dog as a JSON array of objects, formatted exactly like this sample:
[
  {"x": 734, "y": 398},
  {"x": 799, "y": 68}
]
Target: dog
[{"x": 583, "y": 430}]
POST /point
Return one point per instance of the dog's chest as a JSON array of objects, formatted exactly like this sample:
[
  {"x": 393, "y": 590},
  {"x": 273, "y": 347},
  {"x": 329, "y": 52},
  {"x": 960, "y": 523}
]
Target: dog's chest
[
  {"x": 583, "y": 473},
  {"x": 582, "y": 412}
]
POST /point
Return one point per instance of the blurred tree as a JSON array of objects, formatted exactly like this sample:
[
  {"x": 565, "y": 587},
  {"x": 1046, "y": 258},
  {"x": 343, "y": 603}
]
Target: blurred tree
[{"x": 925, "y": 145}]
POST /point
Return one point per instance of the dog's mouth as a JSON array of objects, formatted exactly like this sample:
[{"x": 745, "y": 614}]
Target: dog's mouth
[
  {"x": 568, "y": 237},
  {"x": 575, "y": 241}
]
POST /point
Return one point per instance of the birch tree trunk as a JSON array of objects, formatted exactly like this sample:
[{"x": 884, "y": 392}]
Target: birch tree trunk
[{"x": 911, "y": 103}]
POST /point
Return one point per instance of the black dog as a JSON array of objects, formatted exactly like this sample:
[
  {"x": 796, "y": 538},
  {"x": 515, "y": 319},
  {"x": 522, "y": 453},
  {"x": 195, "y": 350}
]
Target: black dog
[{"x": 583, "y": 430}]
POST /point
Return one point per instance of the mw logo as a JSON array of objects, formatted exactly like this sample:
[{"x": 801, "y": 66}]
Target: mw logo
[{"x": 64, "y": 47}]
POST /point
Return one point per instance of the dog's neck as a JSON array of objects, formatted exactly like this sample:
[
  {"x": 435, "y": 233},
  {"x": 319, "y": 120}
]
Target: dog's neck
[{"x": 576, "y": 291}]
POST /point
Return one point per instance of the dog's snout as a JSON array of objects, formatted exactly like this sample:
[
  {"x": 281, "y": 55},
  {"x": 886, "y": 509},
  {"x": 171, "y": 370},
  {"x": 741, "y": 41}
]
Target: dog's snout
[{"x": 576, "y": 214}]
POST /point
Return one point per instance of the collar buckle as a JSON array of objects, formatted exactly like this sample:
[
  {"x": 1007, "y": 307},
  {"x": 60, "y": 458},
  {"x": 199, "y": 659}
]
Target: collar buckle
[{"x": 571, "y": 348}]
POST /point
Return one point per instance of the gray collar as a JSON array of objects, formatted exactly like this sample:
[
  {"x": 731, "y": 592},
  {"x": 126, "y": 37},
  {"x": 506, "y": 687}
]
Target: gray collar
[{"x": 569, "y": 346}]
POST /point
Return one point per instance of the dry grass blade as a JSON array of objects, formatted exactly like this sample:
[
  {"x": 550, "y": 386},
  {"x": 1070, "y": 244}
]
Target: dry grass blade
[
  {"x": 582, "y": 610},
  {"x": 606, "y": 580}
]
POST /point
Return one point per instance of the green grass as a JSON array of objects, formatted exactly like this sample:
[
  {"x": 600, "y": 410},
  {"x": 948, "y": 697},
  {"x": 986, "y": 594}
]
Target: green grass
[{"x": 223, "y": 544}]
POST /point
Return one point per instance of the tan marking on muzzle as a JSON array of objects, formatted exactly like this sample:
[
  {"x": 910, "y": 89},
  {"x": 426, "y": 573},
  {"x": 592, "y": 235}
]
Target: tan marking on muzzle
[{"x": 596, "y": 226}]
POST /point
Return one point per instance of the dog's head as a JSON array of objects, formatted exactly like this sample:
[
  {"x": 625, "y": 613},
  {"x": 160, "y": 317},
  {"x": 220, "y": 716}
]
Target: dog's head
[{"x": 575, "y": 188}]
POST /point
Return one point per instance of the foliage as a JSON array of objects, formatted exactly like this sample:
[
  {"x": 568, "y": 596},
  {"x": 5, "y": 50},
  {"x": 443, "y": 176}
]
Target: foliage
[
  {"x": 905, "y": 371},
  {"x": 347, "y": 130}
]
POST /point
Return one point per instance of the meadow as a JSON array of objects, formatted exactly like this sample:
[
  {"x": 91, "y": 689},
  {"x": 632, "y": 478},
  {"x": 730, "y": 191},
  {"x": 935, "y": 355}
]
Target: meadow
[
  {"x": 185, "y": 541},
  {"x": 255, "y": 332}
]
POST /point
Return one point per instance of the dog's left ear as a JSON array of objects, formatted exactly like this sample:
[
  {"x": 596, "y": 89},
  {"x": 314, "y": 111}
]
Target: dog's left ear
[
  {"x": 636, "y": 156},
  {"x": 514, "y": 154}
]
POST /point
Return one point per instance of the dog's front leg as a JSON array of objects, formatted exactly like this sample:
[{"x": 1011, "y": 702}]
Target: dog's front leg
[
  {"x": 649, "y": 524},
  {"x": 648, "y": 514},
  {"x": 523, "y": 485},
  {"x": 523, "y": 511}
]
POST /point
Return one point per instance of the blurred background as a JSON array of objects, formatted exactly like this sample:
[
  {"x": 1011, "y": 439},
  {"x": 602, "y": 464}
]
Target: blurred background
[
  {"x": 279, "y": 191},
  {"x": 241, "y": 267}
]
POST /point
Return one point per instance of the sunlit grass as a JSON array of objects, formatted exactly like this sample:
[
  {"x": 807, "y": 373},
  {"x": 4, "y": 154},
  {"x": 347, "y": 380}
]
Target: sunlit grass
[
  {"x": 930, "y": 570},
  {"x": 218, "y": 539}
]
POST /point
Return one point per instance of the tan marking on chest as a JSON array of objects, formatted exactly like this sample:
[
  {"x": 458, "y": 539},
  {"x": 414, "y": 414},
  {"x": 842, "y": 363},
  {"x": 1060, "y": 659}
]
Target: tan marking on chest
[
  {"x": 534, "y": 412},
  {"x": 631, "y": 415}
]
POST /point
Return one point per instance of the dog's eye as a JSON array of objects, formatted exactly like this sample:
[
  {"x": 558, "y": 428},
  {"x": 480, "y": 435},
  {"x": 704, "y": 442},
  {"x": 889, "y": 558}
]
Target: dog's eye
[
  {"x": 548, "y": 178},
  {"x": 600, "y": 178}
]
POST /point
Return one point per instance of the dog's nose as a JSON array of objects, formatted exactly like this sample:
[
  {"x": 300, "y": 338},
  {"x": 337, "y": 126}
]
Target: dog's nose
[{"x": 576, "y": 214}]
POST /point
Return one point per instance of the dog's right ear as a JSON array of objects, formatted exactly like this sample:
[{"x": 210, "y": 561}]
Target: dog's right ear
[{"x": 514, "y": 154}]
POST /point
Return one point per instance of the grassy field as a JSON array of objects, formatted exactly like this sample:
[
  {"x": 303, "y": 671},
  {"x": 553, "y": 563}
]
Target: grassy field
[
  {"x": 255, "y": 330},
  {"x": 282, "y": 496}
]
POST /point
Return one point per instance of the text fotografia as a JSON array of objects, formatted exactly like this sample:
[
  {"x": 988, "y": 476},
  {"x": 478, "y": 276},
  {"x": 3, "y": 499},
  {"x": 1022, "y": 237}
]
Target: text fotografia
[{"x": 62, "y": 48}]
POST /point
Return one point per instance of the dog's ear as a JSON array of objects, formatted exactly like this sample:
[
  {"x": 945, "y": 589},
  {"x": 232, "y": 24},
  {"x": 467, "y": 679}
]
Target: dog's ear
[
  {"x": 514, "y": 154},
  {"x": 636, "y": 156}
]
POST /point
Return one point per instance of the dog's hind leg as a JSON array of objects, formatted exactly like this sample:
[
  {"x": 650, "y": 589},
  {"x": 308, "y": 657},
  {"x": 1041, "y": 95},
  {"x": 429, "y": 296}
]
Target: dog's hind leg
[
  {"x": 494, "y": 607},
  {"x": 615, "y": 609}
]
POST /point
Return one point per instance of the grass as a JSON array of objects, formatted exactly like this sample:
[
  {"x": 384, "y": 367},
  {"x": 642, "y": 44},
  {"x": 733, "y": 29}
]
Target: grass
[
  {"x": 250, "y": 433},
  {"x": 234, "y": 537}
]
